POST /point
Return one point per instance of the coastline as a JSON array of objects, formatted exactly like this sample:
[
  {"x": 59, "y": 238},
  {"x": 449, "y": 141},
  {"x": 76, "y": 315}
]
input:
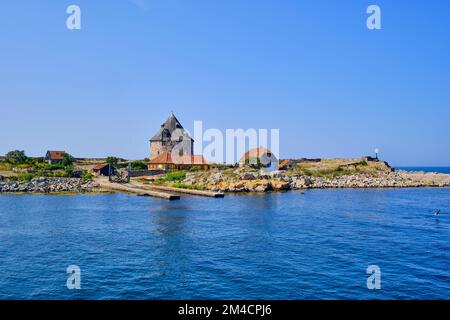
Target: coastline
[
  {"x": 257, "y": 181},
  {"x": 243, "y": 180}
]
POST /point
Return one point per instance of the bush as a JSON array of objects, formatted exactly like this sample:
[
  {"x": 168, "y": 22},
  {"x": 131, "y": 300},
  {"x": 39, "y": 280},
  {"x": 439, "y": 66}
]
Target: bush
[
  {"x": 17, "y": 157},
  {"x": 59, "y": 174},
  {"x": 363, "y": 163},
  {"x": 87, "y": 176},
  {"x": 172, "y": 176},
  {"x": 69, "y": 170},
  {"x": 112, "y": 161},
  {"x": 67, "y": 160},
  {"x": 139, "y": 165},
  {"x": 47, "y": 166},
  {"x": 26, "y": 177},
  {"x": 4, "y": 166}
]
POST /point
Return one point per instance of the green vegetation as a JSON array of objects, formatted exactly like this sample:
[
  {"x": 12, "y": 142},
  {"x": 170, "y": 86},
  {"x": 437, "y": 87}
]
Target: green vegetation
[
  {"x": 5, "y": 166},
  {"x": 47, "y": 166},
  {"x": 88, "y": 176},
  {"x": 26, "y": 177},
  {"x": 172, "y": 176},
  {"x": 328, "y": 172},
  {"x": 188, "y": 186},
  {"x": 67, "y": 161},
  {"x": 24, "y": 168},
  {"x": 363, "y": 163},
  {"x": 69, "y": 170},
  {"x": 112, "y": 160},
  {"x": 332, "y": 168},
  {"x": 139, "y": 165},
  {"x": 17, "y": 157}
]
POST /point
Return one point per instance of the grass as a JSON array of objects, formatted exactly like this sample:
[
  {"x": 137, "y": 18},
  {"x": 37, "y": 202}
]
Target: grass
[
  {"x": 24, "y": 177},
  {"x": 329, "y": 172},
  {"x": 188, "y": 186},
  {"x": 333, "y": 168},
  {"x": 172, "y": 177},
  {"x": 4, "y": 166}
]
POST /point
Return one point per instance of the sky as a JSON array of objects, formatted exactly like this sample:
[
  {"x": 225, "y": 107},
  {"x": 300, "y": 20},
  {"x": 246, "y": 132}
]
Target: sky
[{"x": 311, "y": 69}]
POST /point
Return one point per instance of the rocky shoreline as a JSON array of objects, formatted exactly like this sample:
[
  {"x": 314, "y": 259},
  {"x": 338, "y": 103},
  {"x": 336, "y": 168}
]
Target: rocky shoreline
[
  {"x": 49, "y": 185},
  {"x": 260, "y": 181},
  {"x": 248, "y": 180}
]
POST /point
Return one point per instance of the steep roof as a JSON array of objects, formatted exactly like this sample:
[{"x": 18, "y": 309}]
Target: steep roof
[
  {"x": 255, "y": 153},
  {"x": 100, "y": 166},
  {"x": 55, "y": 155},
  {"x": 166, "y": 158},
  {"x": 171, "y": 124}
]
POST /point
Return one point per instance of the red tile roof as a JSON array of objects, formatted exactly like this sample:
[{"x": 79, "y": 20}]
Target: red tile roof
[
  {"x": 166, "y": 158},
  {"x": 55, "y": 155},
  {"x": 100, "y": 166},
  {"x": 283, "y": 163},
  {"x": 255, "y": 153}
]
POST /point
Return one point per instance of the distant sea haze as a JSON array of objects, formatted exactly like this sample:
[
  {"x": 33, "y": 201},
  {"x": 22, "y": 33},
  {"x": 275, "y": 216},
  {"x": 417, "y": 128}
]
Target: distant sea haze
[{"x": 426, "y": 169}]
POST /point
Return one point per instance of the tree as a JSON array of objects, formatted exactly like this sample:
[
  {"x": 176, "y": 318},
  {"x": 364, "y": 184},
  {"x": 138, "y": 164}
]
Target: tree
[
  {"x": 17, "y": 157},
  {"x": 112, "y": 161},
  {"x": 68, "y": 160},
  {"x": 138, "y": 165}
]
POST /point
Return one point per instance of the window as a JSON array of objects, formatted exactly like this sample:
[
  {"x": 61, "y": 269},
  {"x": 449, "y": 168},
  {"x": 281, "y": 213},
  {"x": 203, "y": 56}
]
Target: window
[{"x": 165, "y": 134}]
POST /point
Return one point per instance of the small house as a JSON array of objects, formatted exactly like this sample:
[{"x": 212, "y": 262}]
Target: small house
[
  {"x": 104, "y": 170},
  {"x": 54, "y": 157},
  {"x": 260, "y": 157}
]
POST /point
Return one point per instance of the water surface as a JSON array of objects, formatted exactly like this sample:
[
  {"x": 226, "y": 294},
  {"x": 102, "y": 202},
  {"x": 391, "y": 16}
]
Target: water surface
[
  {"x": 427, "y": 169},
  {"x": 315, "y": 245}
]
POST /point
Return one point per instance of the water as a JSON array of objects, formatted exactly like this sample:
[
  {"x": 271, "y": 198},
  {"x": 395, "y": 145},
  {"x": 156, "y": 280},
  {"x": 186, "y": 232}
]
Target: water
[
  {"x": 316, "y": 245},
  {"x": 427, "y": 169}
]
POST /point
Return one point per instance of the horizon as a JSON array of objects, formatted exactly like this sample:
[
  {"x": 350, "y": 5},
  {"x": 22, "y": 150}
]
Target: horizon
[{"x": 313, "y": 70}]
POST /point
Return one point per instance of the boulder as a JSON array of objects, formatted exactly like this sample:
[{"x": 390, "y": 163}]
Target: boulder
[{"x": 279, "y": 185}]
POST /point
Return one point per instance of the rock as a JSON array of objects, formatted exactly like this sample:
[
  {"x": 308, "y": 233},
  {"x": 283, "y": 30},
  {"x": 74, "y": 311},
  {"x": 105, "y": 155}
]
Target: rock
[
  {"x": 301, "y": 183},
  {"x": 279, "y": 185},
  {"x": 258, "y": 185},
  {"x": 248, "y": 176},
  {"x": 262, "y": 188},
  {"x": 49, "y": 185}
]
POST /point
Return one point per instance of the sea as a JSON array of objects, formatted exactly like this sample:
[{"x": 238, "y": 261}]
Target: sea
[
  {"x": 426, "y": 169},
  {"x": 316, "y": 244}
]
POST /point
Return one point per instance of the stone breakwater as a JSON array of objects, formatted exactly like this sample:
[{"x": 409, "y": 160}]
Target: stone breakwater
[
  {"x": 258, "y": 181},
  {"x": 49, "y": 185}
]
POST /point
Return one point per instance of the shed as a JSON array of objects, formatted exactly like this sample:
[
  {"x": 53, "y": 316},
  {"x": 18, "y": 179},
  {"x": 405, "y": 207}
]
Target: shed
[
  {"x": 53, "y": 157},
  {"x": 104, "y": 169}
]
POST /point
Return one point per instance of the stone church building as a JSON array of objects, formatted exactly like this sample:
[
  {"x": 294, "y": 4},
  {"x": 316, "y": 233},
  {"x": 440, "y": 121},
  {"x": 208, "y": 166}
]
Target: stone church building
[{"x": 168, "y": 137}]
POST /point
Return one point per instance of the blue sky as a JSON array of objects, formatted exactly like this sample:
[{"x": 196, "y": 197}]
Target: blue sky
[{"x": 309, "y": 68}]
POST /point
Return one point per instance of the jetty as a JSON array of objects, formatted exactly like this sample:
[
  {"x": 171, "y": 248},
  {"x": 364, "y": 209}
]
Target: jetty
[
  {"x": 194, "y": 192},
  {"x": 129, "y": 188}
]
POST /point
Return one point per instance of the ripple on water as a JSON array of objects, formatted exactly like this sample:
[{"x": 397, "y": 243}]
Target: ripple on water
[{"x": 272, "y": 246}]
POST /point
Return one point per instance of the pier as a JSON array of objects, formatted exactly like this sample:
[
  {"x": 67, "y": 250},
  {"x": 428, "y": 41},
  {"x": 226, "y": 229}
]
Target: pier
[
  {"x": 164, "y": 192},
  {"x": 129, "y": 188},
  {"x": 202, "y": 193}
]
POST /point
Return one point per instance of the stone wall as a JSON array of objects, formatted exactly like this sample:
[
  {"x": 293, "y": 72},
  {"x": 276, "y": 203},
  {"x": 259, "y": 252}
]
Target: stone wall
[
  {"x": 49, "y": 185},
  {"x": 157, "y": 148},
  {"x": 142, "y": 173}
]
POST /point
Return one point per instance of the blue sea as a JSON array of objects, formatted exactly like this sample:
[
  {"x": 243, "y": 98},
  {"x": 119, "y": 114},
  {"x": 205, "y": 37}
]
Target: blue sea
[
  {"x": 312, "y": 245},
  {"x": 426, "y": 169}
]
